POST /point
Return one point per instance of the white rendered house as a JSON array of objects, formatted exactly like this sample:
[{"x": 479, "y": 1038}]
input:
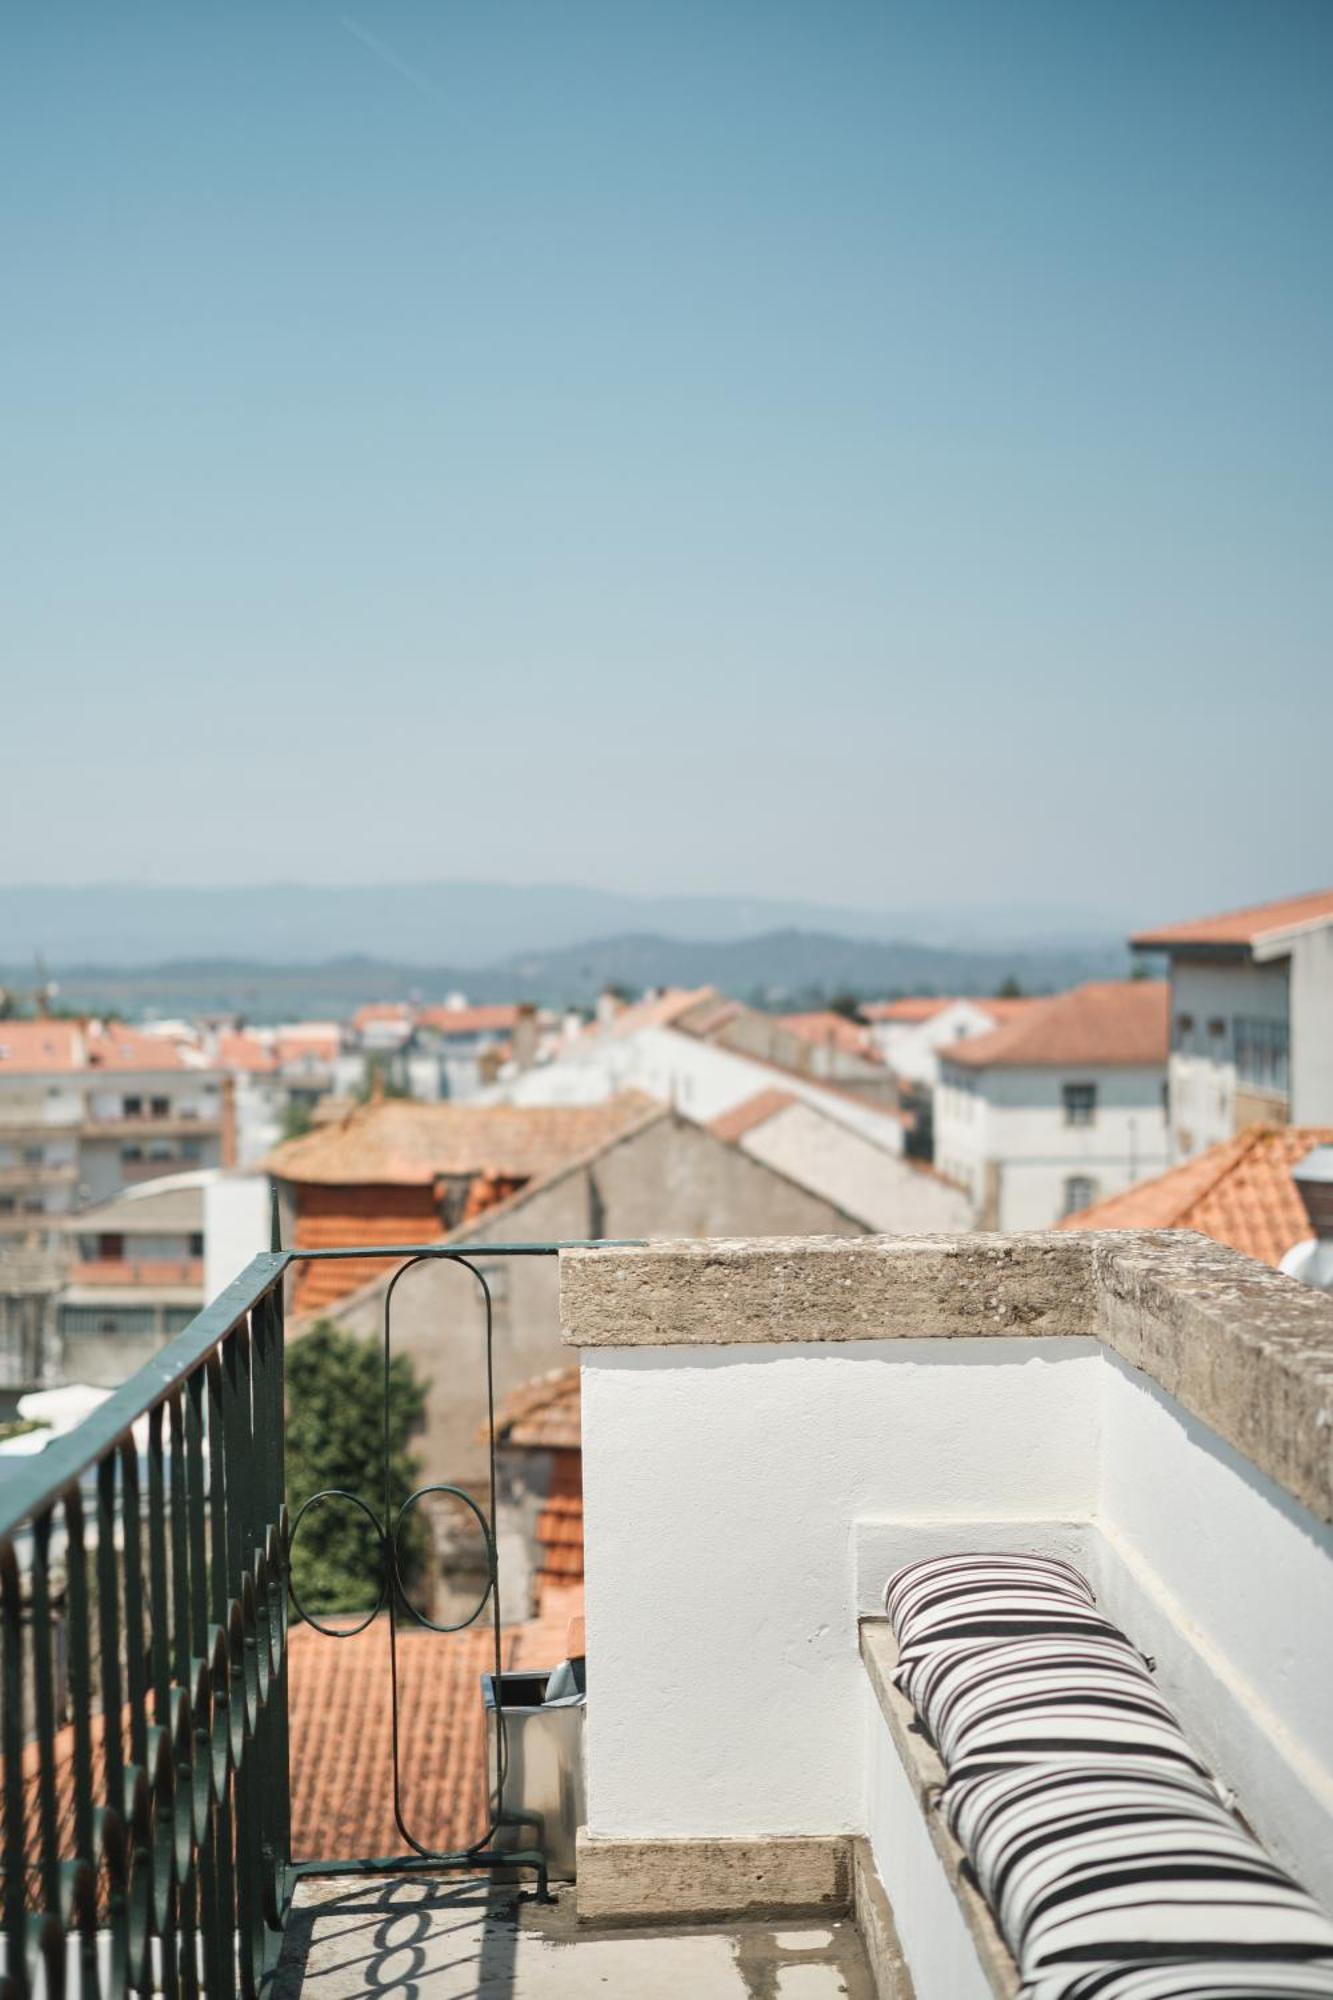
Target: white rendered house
[
  {"x": 1251, "y": 1019},
  {"x": 1058, "y": 1109}
]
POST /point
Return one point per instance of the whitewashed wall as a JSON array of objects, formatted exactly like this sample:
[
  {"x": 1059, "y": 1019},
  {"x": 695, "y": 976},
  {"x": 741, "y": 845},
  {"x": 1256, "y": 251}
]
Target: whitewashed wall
[
  {"x": 1015, "y": 1119},
  {"x": 1202, "y": 1067},
  {"x": 699, "y": 1079},
  {"x": 732, "y": 1493}
]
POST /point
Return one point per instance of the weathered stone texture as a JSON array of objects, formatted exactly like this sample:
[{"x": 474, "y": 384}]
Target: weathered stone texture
[
  {"x": 1243, "y": 1348},
  {"x": 638, "y": 1881}
]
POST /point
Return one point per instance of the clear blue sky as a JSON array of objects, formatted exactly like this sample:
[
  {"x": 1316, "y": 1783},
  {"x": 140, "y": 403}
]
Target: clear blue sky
[{"x": 875, "y": 451}]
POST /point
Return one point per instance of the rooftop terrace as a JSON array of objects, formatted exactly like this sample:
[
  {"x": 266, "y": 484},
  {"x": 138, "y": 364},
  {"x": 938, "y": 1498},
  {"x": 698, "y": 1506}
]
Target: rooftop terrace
[{"x": 770, "y": 1429}]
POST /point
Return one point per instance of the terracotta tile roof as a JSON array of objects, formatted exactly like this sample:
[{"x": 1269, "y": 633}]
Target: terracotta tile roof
[
  {"x": 308, "y": 1038},
  {"x": 498, "y": 1019},
  {"x": 544, "y": 1414},
  {"x": 340, "y": 1722},
  {"x": 47, "y": 1048},
  {"x": 381, "y": 1010},
  {"x": 829, "y": 1029},
  {"x": 397, "y": 1142},
  {"x": 1241, "y": 926},
  {"x": 914, "y": 1008},
  {"x": 38, "y": 1048},
  {"x": 239, "y": 1051},
  {"x": 341, "y": 1218},
  {"x": 755, "y": 1111},
  {"x": 1108, "y": 1023},
  {"x": 342, "y": 1804},
  {"x": 662, "y": 1011},
  {"x": 1239, "y": 1192}
]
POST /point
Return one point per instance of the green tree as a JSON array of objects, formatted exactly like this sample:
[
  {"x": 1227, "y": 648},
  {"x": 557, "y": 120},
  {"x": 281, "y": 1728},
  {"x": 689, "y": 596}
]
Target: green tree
[
  {"x": 296, "y": 1119},
  {"x": 335, "y": 1438},
  {"x": 848, "y": 1005},
  {"x": 1009, "y": 989}
]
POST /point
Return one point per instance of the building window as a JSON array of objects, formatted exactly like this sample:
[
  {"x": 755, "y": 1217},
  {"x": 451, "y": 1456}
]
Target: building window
[
  {"x": 131, "y": 1107},
  {"x": 159, "y": 1107},
  {"x": 197, "y": 1243},
  {"x": 1217, "y": 1027},
  {"x": 1080, "y": 1102},
  {"x": 129, "y": 1154},
  {"x": 1184, "y": 1034},
  {"x": 1262, "y": 1053},
  {"x": 103, "y": 1321},
  {"x": 1080, "y": 1193}
]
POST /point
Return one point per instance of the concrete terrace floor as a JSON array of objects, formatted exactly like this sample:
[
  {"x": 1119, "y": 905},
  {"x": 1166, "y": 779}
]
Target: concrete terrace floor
[{"x": 420, "y": 1938}]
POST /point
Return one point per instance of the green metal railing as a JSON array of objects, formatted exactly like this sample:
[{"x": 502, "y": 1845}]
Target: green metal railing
[
  {"x": 143, "y": 1607},
  {"x": 144, "y": 1602}
]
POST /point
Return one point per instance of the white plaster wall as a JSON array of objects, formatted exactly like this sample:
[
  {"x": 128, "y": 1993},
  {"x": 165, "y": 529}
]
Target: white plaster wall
[
  {"x": 881, "y": 1190},
  {"x": 721, "y": 1490},
  {"x": 1015, "y": 1119},
  {"x": 1202, "y": 1068},
  {"x": 745, "y": 1505},
  {"x": 697, "y": 1078},
  {"x": 912, "y": 1048},
  {"x": 935, "y": 1941},
  {"x": 1312, "y": 1027},
  {"x": 236, "y": 1226}
]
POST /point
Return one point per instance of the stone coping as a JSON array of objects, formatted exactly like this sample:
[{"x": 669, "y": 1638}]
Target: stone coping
[
  {"x": 1244, "y": 1349},
  {"x": 926, "y": 1776}
]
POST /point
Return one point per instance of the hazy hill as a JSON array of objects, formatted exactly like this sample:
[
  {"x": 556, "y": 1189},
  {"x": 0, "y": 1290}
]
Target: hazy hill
[
  {"x": 790, "y": 966},
  {"x": 475, "y": 924}
]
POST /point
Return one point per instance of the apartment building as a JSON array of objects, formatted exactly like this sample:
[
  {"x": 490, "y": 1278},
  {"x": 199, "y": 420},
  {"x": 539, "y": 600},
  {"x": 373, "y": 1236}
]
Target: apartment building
[
  {"x": 88, "y": 1108},
  {"x": 1251, "y": 1019},
  {"x": 1059, "y": 1108}
]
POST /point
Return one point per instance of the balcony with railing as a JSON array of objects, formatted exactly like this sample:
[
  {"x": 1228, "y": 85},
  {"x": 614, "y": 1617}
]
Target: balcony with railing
[{"x": 770, "y": 1430}]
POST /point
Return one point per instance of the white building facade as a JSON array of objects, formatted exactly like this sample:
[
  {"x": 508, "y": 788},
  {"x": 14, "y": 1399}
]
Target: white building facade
[
  {"x": 1251, "y": 1020},
  {"x": 1059, "y": 1109}
]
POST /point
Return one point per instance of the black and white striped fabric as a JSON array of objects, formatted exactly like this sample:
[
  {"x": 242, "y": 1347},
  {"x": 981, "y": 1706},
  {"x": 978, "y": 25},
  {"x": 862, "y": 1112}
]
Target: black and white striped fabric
[
  {"x": 1045, "y": 1701},
  {"x": 964, "y": 1599},
  {"x": 1101, "y": 1842},
  {"x": 1119, "y": 1863},
  {"x": 1192, "y": 1979}
]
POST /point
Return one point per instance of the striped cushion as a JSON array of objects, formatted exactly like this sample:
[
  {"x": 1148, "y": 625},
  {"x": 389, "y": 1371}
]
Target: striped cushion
[
  {"x": 1045, "y": 1700},
  {"x": 1103, "y": 1865},
  {"x": 1191, "y": 1979},
  {"x": 988, "y": 1597}
]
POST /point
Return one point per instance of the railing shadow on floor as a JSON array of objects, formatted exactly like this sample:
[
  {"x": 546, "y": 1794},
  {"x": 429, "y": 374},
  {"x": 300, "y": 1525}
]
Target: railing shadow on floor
[{"x": 408, "y": 1939}]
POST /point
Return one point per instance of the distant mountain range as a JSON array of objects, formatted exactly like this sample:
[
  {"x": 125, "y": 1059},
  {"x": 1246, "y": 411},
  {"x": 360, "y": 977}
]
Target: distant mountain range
[
  {"x": 785, "y": 967},
  {"x": 476, "y": 924}
]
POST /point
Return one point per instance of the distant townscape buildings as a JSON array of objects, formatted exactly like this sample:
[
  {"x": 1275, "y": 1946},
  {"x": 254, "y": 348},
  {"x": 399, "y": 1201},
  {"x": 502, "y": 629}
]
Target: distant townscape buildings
[
  {"x": 137, "y": 1162},
  {"x": 1251, "y": 1019}
]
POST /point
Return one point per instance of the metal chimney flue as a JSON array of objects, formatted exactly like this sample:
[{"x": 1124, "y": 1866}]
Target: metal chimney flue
[{"x": 1313, "y": 1177}]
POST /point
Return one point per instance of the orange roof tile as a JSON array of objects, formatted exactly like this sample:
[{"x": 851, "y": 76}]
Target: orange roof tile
[
  {"x": 38, "y": 1048},
  {"x": 1239, "y": 1192},
  {"x": 827, "y": 1029},
  {"x": 240, "y": 1051},
  {"x": 1108, "y": 1023},
  {"x": 498, "y": 1019},
  {"x": 543, "y": 1414},
  {"x": 658, "y": 1012},
  {"x": 915, "y": 1007},
  {"x": 1240, "y": 927},
  {"x": 755, "y": 1111},
  {"x": 397, "y": 1142},
  {"x": 381, "y": 1010},
  {"x": 42, "y": 1048}
]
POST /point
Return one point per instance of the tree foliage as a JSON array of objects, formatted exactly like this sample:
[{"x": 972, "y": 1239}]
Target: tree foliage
[{"x": 335, "y": 1438}]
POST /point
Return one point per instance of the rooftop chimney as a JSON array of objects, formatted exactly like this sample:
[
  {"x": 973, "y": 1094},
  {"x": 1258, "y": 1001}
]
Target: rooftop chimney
[{"x": 1314, "y": 1184}]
